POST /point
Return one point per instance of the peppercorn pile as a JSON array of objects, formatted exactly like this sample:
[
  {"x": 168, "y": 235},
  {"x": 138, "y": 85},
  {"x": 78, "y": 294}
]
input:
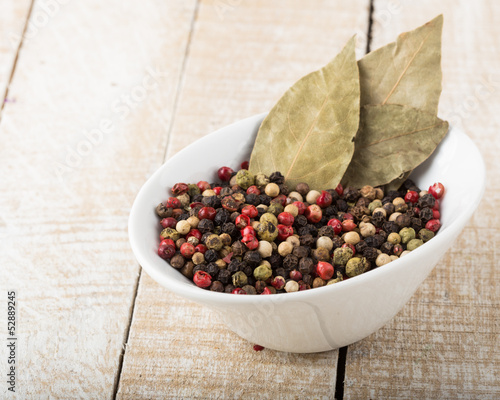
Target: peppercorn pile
[{"x": 254, "y": 235}]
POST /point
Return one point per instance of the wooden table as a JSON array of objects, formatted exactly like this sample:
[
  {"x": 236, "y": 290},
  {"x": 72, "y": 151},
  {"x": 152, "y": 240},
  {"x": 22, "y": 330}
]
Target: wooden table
[{"x": 97, "y": 95}]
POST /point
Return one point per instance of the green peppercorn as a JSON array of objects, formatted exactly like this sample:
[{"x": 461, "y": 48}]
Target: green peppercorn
[
  {"x": 268, "y": 217},
  {"x": 414, "y": 243},
  {"x": 244, "y": 179},
  {"x": 341, "y": 255},
  {"x": 193, "y": 190},
  {"x": 170, "y": 233},
  {"x": 356, "y": 266},
  {"x": 239, "y": 279},
  {"x": 374, "y": 204},
  {"x": 261, "y": 180},
  {"x": 267, "y": 231},
  {"x": 275, "y": 208},
  {"x": 214, "y": 242},
  {"x": 425, "y": 235},
  {"x": 407, "y": 234},
  {"x": 262, "y": 272},
  {"x": 337, "y": 278}
]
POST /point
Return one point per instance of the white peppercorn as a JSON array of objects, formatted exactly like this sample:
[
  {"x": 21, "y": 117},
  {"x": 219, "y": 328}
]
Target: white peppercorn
[
  {"x": 324, "y": 242},
  {"x": 291, "y": 286},
  {"x": 183, "y": 227},
  {"x": 272, "y": 189},
  {"x": 351, "y": 238},
  {"x": 382, "y": 259},
  {"x": 292, "y": 210},
  {"x": 285, "y": 248},
  {"x": 312, "y": 196},
  {"x": 265, "y": 249}
]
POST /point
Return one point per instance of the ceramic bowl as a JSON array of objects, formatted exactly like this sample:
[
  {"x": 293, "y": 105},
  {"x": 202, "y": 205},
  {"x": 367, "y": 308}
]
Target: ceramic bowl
[{"x": 323, "y": 318}]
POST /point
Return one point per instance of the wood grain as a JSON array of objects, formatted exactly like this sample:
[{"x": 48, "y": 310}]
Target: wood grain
[
  {"x": 241, "y": 59},
  {"x": 67, "y": 188},
  {"x": 13, "y": 16},
  {"x": 445, "y": 342}
]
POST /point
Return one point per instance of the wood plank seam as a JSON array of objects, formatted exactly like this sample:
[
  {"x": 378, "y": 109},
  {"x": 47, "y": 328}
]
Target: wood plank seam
[{"x": 14, "y": 64}]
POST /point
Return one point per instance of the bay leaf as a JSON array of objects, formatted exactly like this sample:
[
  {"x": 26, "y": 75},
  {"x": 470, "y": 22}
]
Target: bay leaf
[
  {"x": 395, "y": 184},
  {"x": 392, "y": 139},
  {"x": 407, "y": 71},
  {"x": 309, "y": 134}
]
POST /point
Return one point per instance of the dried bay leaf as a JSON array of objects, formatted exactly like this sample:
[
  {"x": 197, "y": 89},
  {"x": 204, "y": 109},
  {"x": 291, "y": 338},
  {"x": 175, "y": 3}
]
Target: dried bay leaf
[
  {"x": 396, "y": 183},
  {"x": 407, "y": 71},
  {"x": 309, "y": 134},
  {"x": 392, "y": 139}
]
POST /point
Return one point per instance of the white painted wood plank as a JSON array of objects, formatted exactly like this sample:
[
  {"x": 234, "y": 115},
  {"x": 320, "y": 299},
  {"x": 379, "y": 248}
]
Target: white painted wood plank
[{"x": 94, "y": 94}]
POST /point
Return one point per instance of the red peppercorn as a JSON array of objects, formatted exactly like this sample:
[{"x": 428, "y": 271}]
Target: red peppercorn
[
  {"x": 194, "y": 232},
  {"x": 187, "y": 250},
  {"x": 324, "y": 199},
  {"x": 201, "y": 248},
  {"x": 284, "y": 231},
  {"x": 217, "y": 190},
  {"x": 300, "y": 206},
  {"x": 278, "y": 282},
  {"x": 433, "y": 225},
  {"x": 286, "y": 218},
  {"x": 248, "y": 230},
  {"x": 350, "y": 246},
  {"x": 348, "y": 225},
  {"x": 250, "y": 211},
  {"x": 347, "y": 216},
  {"x": 168, "y": 222},
  {"x": 324, "y": 270},
  {"x": 173, "y": 202},
  {"x": 196, "y": 204},
  {"x": 230, "y": 204},
  {"x": 227, "y": 259},
  {"x": 168, "y": 242},
  {"x": 437, "y": 190},
  {"x": 202, "y": 279},
  {"x": 225, "y": 173},
  {"x": 250, "y": 241},
  {"x": 436, "y": 214},
  {"x": 253, "y": 190},
  {"x": 242, "y": 221},
  {"x": 411, "y": 196},
  {"x": 179, "y": 188},
  {"x": 238, "y": 291},
  {"x": 207, "y": 213},
  {"x": 265, "y": 291},
  {"x": 336, "y": 225},
  {"x": 436, "y": 205},
  {"x": 313, "y": 213},
  {"x": 295, "y": 275},
  {"x": 166, "y": 250},
  {"x": 339, "y": 189},
  {"x": 203, "y": 185},
  {"x": 244, "y": 165}
]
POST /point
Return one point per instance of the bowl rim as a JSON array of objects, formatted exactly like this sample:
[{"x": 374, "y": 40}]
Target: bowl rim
[{"x": 199, "y": 295}]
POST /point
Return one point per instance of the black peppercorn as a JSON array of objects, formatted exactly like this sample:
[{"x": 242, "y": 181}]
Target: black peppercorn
[
  {"x": 197, "y": 198},
  {"x": 277, "y": 178},
  {"x": 300, "y": 221},
  {"x": 301, "y": 251},
  {"x": 370, "y": 254},
  {"x": 337, "y": 242},
  {"x": 221, "y": 217},
  {"x": 342, "y": 205},
  {"x": 224, "y": 276},
  {"x": 253, "y": 258},
  {"x": 390, "y": 227},
  {"x": 327, "y": 231},
  {"x": 260, "y": 286},
  {"x": 426, "y": 214},
  {"x": 330, "y": 211},
  {"x": 416, "y": 224},
  {"x": 213, "y": 270},
  {"x": 229, "y": 288},
  {"x": 362, "y": 202},
  {"x": 307, "y": 279},
  {"x": 205, "y": 226},
  {"x": 274, "y": 260},
  {"x": 378, "y": 219},
  {"x": 199, "y": 267},
  {"x": 306, "y": 240},
  {"x": 230, "y": 229},
  {"x": 226, "y": 191},
  {"x": 427, "y": 200},
  {"x": 264, "y": 199},
  {"x": 361, "y": 246},
  {"x": 233, "y": 266},
  {"x": 302, "y": 231},
  {"x": 211, "y": 256},
  {"x": 389, "y": 208},
  {"x": 351, "y": 194},
  {"x": 252, "y": 199},
  {"x": 306, "y": 266},
  {"x": 290, "y": 262},
  {"x": 386, "y": 248},
  {"x": 217, "y": 286},
  {"x": 280, "y": 272},
  {"x": 247, "y": 270},
  {"x": 284, "y": 189}
]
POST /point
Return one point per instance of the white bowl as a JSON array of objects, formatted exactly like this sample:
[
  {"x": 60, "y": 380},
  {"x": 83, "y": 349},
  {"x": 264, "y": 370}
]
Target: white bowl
[{"x": 323, "y": 318}]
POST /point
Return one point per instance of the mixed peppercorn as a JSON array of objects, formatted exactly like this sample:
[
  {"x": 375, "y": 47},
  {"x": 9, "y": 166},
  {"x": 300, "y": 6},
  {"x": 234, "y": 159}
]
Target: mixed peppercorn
[{"x": 255, "y": 235}]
